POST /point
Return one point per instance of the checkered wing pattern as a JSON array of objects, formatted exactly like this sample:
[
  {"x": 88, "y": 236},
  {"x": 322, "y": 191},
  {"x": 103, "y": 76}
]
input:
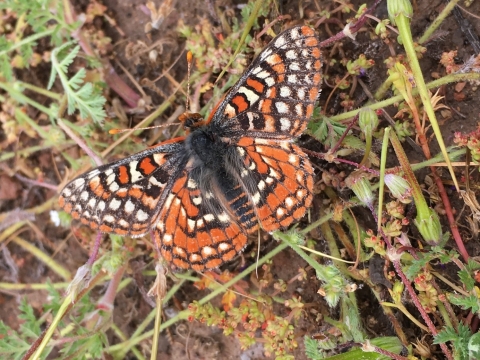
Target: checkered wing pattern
[
  {"x": 195, "y": 228},
  {"x": 279, "y": 179},
  {"x": 203, "y": 194},
  {"x": 124, "y": 197},
  {"x": 276, "y": 95}
]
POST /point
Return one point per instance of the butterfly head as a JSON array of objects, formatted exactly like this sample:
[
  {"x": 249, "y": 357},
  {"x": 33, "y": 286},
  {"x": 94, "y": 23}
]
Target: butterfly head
[{"x": 191, "y": 121}]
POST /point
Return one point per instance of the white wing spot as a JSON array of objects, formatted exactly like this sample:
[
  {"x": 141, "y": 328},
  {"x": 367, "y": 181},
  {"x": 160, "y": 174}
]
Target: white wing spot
[
  {"x": 261, "y": 185},
  {"x": 84, "y": 195},
  {"x": 256, "y": 198},
  {"x": 223, "y": 217},
  {"x": 66, "y": 192},
  {"x": 79, "y": 182},
  {"x": 274, "y": 174},
  {"x": 285, "y": 91},
  {"x": 114, "y": 204},
  {"x": 191, "y": 184},
  {"x": 293, "y": 159},
  {"x": 158, "y": 158},
  {"x": 152, "y": 180},
  {"x": 251, "y": 96},
  {"x": 294, "y": 34},
  {"x": 101, "y": 205},
  {"x": 129, "y": 207},
  {"x": 113, "y": 187},
  {"x": 292, "y": 79},
  {"x": 270, "y": 81},
  {"x": 209, "y": 195},
  {"x": 92, "y": 202},
  {"x": 257, "y": 70},
  {"x": 136, "y": 175},
  {"x": 299, "y": 110},
  {"x": 294, "y": 66},
  {"x": 141, "y": 215},
  {"x": 301, "y": 93},
  {"x": 123, "y": 223},
  {"x": 289, "y": 202},
  {"x": 300, "y": 194},
  {"x": 207, "y": 250},
  {"x": 109, "y": 218},
  {"x": 281, "y": 107},
  {"x": 179, "y": 250},
  {"x": 110, "y": 179},
  {"x": 291, "y": 54},
  {"x": 208, "y": 217},
  {"x": 194, "y": 257},
  {"x": 223, "y": 246},
  {"x": 241, "y": 151},
  {"x": 229, "y": 110},
  {"x": 169, "y": 200},
  {"x": 280, "y": 41},
  {"x": 285, "y": 124},
  {"x": 167, "y": 239},
  {"x": 191, "y": 225},
  {"x": 266, "y": 53},
  {"x": 197, "y": 200},
  {"x": 280, "y": 212},
  {"x": 263, "y": 74}
]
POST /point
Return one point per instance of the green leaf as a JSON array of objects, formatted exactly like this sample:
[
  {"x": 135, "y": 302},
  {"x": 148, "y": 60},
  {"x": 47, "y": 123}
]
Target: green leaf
[
  {"x": 474, "y": 346},
  {"x": 460, "y": 340},
  {"x": 466, "y": 302},
  {"x": 466, "y": 279}
]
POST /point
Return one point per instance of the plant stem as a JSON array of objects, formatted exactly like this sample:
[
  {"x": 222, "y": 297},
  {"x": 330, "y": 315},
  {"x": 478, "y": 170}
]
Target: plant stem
[
  {"x": 403, "y": 24},
  {"x": 394, "y": 99},
  {"x": 438, "y": 21}
]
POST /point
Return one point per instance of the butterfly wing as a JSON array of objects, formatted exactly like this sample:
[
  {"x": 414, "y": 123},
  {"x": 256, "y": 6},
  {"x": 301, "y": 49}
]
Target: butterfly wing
[
  {"x": 278, "y": 178},
  {"x": 276, "y": 95},
  {"x": 195, "y": 228},
  {"x": 125, "y": 196}
]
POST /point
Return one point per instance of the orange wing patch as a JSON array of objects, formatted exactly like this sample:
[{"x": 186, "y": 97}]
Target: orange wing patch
[{"x": 193, "y": 234}]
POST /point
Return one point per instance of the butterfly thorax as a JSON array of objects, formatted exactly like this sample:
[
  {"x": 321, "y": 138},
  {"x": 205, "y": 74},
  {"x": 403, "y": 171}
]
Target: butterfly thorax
[{"x": 206, "y": 147}]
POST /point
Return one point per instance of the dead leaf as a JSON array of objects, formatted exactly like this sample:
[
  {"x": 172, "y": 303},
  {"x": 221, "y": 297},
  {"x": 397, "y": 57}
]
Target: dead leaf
[{"x": 8, "y": 188}]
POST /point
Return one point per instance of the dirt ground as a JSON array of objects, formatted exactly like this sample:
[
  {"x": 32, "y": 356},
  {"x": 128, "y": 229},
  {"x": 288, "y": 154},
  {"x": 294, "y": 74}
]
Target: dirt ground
[{"x": 186, "y": 340}]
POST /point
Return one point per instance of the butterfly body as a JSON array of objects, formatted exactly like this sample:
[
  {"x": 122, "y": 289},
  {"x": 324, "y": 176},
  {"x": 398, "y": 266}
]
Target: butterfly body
[{"x": 202, "y": 194}]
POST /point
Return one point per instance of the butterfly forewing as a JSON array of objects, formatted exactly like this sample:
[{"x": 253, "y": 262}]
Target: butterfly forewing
[
  {"x": 276, "y": 96},
  {"x": 124, "y": 197}
]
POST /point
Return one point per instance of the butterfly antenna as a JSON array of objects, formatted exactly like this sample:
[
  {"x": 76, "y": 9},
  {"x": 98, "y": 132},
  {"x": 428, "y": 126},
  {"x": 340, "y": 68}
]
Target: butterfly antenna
[
  {"x": 189, "y": 69},
  {"x": 118, "y": 131}
]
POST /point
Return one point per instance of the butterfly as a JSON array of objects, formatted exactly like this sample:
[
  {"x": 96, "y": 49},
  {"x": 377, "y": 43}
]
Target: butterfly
[{"x": 200, "y": 195}]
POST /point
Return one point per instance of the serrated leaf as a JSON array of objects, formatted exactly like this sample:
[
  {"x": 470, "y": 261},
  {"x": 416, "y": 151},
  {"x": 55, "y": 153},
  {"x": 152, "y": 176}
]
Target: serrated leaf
[
  {"x": 311, "y": 349},
  {"x": 474, "y": 346},
  {"x": 466, "y": 302},
  {"x": 77, "y": 80},
  {"x": 466, "y": 279}
]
